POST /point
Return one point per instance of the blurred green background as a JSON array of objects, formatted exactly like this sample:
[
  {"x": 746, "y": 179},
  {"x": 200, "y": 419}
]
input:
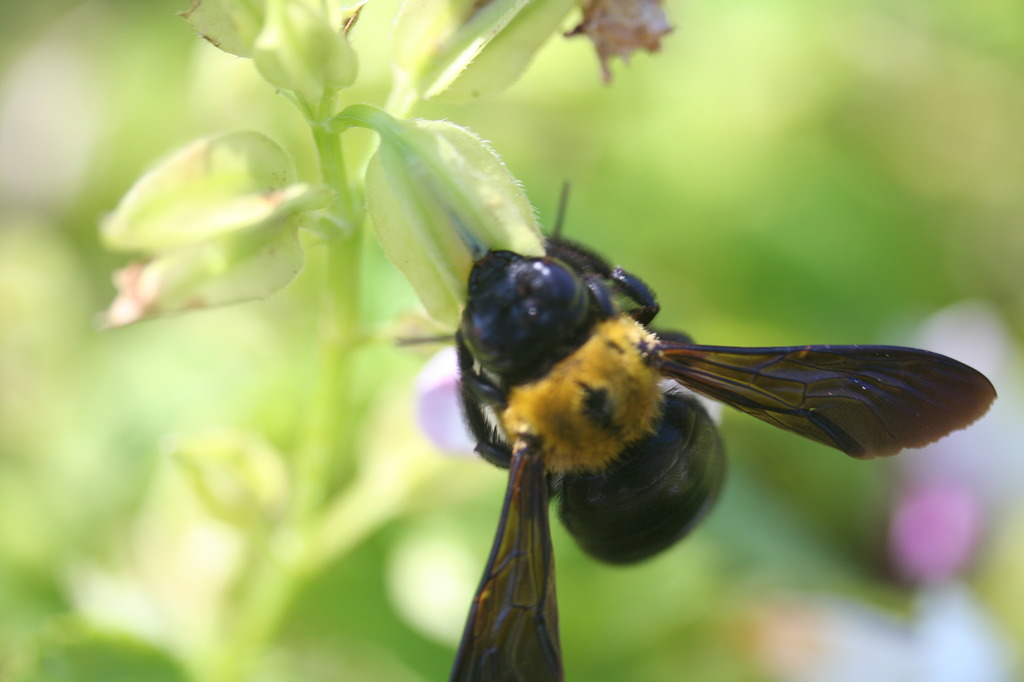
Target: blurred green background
[{"x": 782, "y": 173}]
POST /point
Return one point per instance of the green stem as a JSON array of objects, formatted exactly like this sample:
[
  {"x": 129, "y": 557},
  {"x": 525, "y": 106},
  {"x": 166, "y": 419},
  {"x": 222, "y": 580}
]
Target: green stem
[
  {"x": 328, "y": 424},
  {"x": 328, "y": 415},
  {"x": 278, "y": 575},
  {"x": 366, "y": 116},
  {"x": 267, "y": 594},
  {"x": 325, "y": 437},
  {"x": 347, "y": 212}
]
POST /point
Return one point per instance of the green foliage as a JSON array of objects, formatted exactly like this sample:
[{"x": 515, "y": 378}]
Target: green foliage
[
  {"x": 781, "y": 173},
  {"x": 77, "y": 653}
]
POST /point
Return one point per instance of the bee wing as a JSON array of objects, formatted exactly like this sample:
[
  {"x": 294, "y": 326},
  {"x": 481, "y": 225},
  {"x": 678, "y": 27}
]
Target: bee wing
[
  {"x": 512, "y": 631},
  {"x": 864, "y": 400}
]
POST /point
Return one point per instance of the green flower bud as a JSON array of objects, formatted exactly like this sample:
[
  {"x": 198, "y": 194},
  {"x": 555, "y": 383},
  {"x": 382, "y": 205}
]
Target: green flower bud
[
  {"x": 299, "y": 50},
  {"x": 246, "y": 266},
  {"x": 212, "y": 187},
  {"x": 231, "y": 25},
  {"x": 240, "y": 477},
  {"x": 218, "y": 222},
  {"x": 468, "y": 49},
  {"x": 439, "y": 199}
]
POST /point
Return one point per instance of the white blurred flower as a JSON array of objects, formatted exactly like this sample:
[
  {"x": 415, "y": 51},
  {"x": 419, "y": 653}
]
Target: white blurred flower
[
  {"x": 948, "y": 638},
  {"x": 47, "y": 152}
]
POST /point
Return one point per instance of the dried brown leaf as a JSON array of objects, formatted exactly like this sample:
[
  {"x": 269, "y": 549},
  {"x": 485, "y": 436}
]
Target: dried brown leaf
[{"x": 620, "y": 27}]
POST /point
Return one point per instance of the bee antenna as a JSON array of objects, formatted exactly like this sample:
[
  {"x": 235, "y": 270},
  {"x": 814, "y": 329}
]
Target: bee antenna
[
  {"x": 563, "y": 205},
  {"x": 402, "y": 341}
]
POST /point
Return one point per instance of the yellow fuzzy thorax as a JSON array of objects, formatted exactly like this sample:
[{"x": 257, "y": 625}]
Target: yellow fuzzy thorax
[{"x": 593, "y": 403}]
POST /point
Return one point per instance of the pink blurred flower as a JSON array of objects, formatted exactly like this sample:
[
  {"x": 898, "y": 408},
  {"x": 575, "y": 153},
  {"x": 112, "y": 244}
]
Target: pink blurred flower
[
  {"x": 437, "y": 404},
  {"x": 954, "y": 492},
  {"x": 936, "y": 527},
  {"x": 952, "y": 496}
]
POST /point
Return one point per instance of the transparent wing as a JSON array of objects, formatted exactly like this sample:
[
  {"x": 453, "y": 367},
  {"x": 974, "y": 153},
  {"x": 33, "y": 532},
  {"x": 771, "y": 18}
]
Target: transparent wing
[
  {"x": 864, "y": 400},
  {"x": 512, "y": 631}
]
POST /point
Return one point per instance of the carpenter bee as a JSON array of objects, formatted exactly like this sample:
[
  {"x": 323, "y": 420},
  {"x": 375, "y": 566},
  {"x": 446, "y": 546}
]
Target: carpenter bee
[{"x": 564, "y": 383}]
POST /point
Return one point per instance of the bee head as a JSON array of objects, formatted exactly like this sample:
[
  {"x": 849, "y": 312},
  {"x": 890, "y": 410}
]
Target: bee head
[{"x": 521, "y": 311}]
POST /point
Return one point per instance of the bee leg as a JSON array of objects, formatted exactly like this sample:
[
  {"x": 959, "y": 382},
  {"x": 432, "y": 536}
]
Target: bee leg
[
  {"x": 475, "y": 390},
  {"x": 602, "y": 297},
  {"x": 475, "y": 385},
  {"x": 498, "y": 455},
  {"x": 637, "y": 291},
  {"x": 585, "y": 261}
]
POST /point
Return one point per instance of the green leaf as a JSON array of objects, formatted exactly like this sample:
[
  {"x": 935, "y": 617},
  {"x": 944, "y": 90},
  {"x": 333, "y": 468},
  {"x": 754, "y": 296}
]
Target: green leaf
[
  {"x": 435, "y": 41},
  {"x": 440, "y": 198},
  {"x": 508, "y": 54},
  {"x": 231, "y": 25}
]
